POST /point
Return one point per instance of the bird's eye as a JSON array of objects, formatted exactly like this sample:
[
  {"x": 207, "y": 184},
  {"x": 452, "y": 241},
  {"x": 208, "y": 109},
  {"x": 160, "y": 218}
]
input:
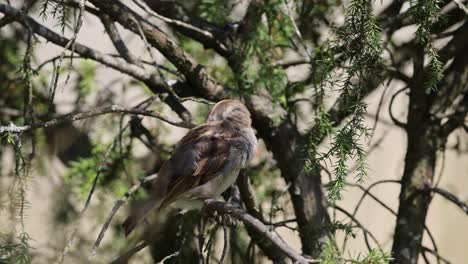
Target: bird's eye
[{"x": 236, "y": 110}]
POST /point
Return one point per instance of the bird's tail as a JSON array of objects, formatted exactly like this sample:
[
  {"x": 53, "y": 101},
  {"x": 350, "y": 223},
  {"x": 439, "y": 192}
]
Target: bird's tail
[{"x": 138, "y": 215}]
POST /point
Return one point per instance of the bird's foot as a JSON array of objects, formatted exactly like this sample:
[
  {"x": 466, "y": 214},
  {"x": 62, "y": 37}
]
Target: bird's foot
[
  {"x": 225, "y": 220},
  {"x": 219, "y": 218}
]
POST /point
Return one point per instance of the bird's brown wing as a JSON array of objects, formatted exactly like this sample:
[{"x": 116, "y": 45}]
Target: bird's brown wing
[{"x": 199, "y": 157}]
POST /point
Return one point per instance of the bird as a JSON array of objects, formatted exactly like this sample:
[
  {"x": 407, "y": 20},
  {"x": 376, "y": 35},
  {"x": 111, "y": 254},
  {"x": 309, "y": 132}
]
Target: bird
[{"x": 204, "y": 163}]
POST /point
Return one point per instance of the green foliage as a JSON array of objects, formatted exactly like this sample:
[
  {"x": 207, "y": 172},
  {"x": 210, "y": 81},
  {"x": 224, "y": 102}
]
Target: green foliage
[
  {"x": 375, "y": 256},
  {"x": 424, "y": 14},
  {"x": 7, "y": 138},
  {"x": 9, "y": 50},
  {"x": 348, "y": 229},
  {"x": 81, "y": 173},
  {"x": 18, "y": 252},
  {"x": 86, "y": 76},
  {"x": 218, "y": 65},
  {"x": 359, "y": 46},
  {"x": 215, "y": 11},
  {"x": 12, "y": 86},
  {"x": 331, "y": 255},
  {"x": 104, "y": 163},
  {"x": 60, "y": 12},
  {"x": 312, "y": 12},
  {"x": 264, "y": 46}
]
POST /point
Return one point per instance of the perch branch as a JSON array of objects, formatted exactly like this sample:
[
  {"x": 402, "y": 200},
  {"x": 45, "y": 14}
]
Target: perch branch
[{"x": 248, "y": 220}]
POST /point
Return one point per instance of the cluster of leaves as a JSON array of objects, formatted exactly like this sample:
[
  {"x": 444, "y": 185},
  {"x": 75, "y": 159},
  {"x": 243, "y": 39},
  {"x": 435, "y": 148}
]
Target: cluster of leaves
[
  {"x": 214, "y": 11},
  {"x": 425, "y": 13},
  {"x": 264, "y": 46},
  {"x": 12, "y": 87},
  {"x": 81, "y": 174},
  {"x": 18, "y": 251},
  {"x": 87, "y": 75},
  {"x": 332, "y": 255},
  {"x": 359, "y": 46},
  {"x": 101, "y": 165},
  {"x": 60, "y": 12},
  {"x": 218, "y": 65},
  {"x": 86, "y": 80},
  {"x": 312, "y": 15}
]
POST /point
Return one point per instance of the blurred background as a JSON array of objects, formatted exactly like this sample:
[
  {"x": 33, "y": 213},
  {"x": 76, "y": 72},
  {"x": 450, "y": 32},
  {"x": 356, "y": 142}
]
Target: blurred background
[{"x": 67, "y": 155}]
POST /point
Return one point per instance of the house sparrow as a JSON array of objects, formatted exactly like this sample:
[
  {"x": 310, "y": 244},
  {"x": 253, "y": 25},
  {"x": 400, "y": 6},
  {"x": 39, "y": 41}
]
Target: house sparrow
[{"x": 204, "y": 163}]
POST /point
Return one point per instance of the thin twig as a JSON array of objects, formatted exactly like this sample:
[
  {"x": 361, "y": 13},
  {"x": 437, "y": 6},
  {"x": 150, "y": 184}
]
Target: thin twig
[
  {"x": 124, "y": 258},
  {"x": 92, "y": 113},
  {"x": 114, "y": 210},
  {"x": 71, "y": 46},
  {"x": 451, "y": 197},
  {"x": 367, "y": 192},
  {"x": 377, "y": 113},
  {"x": 358, "y": 224},
  {"x": 100, "y": 169},
  {"x": 194, "y": 31},
  {"x": 436, "y": 254},
  {"x": 394, "y": 119},
  {"x": 225, "y": 246},
  {"x": 175, "y": 254}
]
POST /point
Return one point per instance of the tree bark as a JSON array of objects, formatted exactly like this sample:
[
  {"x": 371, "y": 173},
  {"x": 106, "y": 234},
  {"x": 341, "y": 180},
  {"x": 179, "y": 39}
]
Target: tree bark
[
  {"x": 287, "y": 146},
  {"x": 426, "y": 134},
  {"x": 414, "y": 197}
]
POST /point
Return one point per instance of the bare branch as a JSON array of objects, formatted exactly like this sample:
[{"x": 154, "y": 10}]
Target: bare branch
[
  {"x": 364, "y": 229},
  {"x": 451, "y": 197},
  {"x": 394, "y": 119},
  {"x": 156, "y": 84},
  {"x": 436, "y": 254},
  {"x": 84, "y": 51},
  {"x": 248, "y": 197},
  {"x": 92, "y": 113},
  {"x": 119, "y": 44},
  {"x": 206, "y": 37},
  {"x": 125, "y": 257},
  {"x": 114, "y": 210},
  {"x": 195, "y": 73}
]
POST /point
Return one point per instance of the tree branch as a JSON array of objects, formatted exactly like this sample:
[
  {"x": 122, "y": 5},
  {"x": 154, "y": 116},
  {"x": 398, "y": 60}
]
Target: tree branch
[
  {"x": 248, "y": 220},
  {"x": 211, "y": 205},
  {"x": 114, "y": 210},
  {"x": 195, "y": 73},
  {"x": 156, "y": 84},
  {"x": 84, "y": 51},
  {"x": 450, "y": 197},
  {"x": 248, "y": 197},
  {"x": 92, "y": 113},
  {"x": 207, "y": 38},
  {"x": 119, "y": 44}
]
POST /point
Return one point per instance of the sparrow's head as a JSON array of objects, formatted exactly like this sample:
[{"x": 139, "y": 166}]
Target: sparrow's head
[{"x": 231, "y": 110}]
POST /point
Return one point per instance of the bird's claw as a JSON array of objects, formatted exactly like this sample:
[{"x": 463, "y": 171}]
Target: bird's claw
[{"x": 226, "y": 220}]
